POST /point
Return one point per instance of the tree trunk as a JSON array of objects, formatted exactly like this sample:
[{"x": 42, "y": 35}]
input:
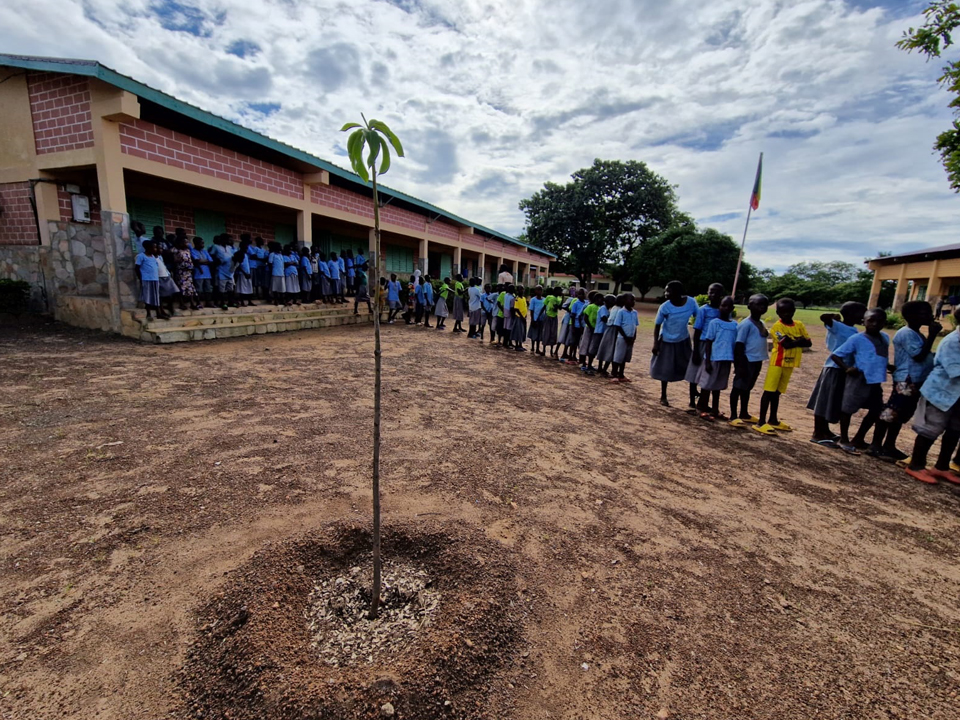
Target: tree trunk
[{"x": 374, "y": 288}]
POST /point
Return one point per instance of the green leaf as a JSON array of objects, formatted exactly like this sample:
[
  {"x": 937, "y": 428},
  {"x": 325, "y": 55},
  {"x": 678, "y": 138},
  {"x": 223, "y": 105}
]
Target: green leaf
[
  {"x": 350, "y": 125},
  {"x": 374, "y": 142},
  {"x": 361, "y": 170},
  {"x": 385, "y": 161},
  {"x": 355, "y": 147},
  {"x": 394, "y": 140}
]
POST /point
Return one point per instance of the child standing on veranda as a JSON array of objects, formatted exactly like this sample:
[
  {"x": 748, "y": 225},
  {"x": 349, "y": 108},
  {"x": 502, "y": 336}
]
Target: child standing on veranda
[
  {"x": 913, "y": 361},
  {"x": 149, "y": 275},
  {"x": 718, "y": 340},
  {"x": 626, "y": 324},
  {"x": 393, "y": 295},
  {"x": 306, "y": 274},
  {"x": 489, "y": 301},
  {"x": 789, "y": 338},
  {"x": 938, "y": 413},
  {"x": 749, "y": 352},
  {"x": 291, "y": 271},
  {"x": 278, "y": 281},
  {"x": 827, "y": 395},
  {"x": 538, "y": 309},
  {"x": 671, "y": 339},
  {"x": 864, "y": 359},
  {"x": 705, "y": 314}
]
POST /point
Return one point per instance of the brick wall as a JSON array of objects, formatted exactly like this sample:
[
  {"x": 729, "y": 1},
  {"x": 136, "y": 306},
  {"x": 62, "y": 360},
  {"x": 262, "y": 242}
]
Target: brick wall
[
  {"x": 238, "y": 224},
  {"x": 342, "y": 199},
  {"x": 153, "y": 142},
  {"x": 60, "y": 106},
  {"x": 444, "y": 229},
  {"x": 178, "y": 216},
  {"x": 403, "y": 218},
  {"x": 66, "y": 208},
  {"x": 17, "y": 223}
]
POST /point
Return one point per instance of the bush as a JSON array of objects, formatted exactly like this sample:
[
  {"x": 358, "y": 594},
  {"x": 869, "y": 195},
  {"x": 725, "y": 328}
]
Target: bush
[
  {"x": 895, "y": 321},
  {"x": 14, "y": 296},
  {"x": 702, "y": 299}
]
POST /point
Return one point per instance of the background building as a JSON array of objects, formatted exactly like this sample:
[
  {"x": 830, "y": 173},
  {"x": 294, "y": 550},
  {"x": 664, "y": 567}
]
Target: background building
[{"x": 932, "y": 274}]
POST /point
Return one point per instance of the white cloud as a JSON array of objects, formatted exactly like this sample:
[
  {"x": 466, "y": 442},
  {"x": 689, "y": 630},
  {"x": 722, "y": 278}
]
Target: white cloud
[{"x": 493, "y": 98}]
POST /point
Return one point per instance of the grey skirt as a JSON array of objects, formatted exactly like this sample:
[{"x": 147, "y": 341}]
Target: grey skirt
[
  {"x": 292, "y": 283},
  {"x": 476, "y": 317},
  {"x": 607, "y": 344},
  {"x": 548, "y": 335},
  {"x": 441, "y": 309},
  {"x": 670, "y": 364},
  {"x": 278, "y": 284},
  {"x": 857, "y": 395},
  {"x": 693, "y": 371},
  {"x": 595, "y": 339},
  {"x": 826, "y": 400},
  {"x": 622, "y": 351},
  {"x": 564, "y": 330},
  {"x": 168, "y": 287},
  {"x": 518, "y": 333},
  {"x": 244, "y": 284},
  {"x": 306, "y": 284},
  {"x": 718, "y": 378},
  {"x": 585, "y": 338},
  {"x": 536, "y": 330},
  {"x": 150, "y": 292},
  {"x": 458, "y": 309}
]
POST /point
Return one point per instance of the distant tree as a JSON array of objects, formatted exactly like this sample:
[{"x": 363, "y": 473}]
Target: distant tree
[
  {"x": 935, "y": 36},
  {"x": 695, "y": 257},
  {"x": 600, "y": 217}
]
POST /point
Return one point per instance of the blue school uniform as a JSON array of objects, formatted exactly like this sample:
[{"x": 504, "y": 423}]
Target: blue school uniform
[
  {"x": 342, "y": 265},
  {"x": 755, "y": 345},
  {"x": 351, "y": 273},
  {"x": 393, "y": 287},
  {"x": 361, "y": 261},
  {"x": 276, "y": 264},
  {"x": 907, "y": 344},
  {"x": 306, "y": 265},
  {"x": 723, "y": 334},
  {"x": 290, "y": 270},
  {"x": 428, "y": 293},
  {"x": 244, "y": 266},
  {"x": 536, "y": 309},
  {"x": 421, "y": 293},
  {"x": 201, "y": 272},
  {"x": 837, "y": 334},
  {"x": 673, "y": 320},
  {"x": 627, "y": 320},
  {"x": 704, "y": 315},
  {"x": 576, "y": 313},
  {"x": 942, "y": 386},
  {"x": 489, "y": 301},
  {"x": 225, "y": 259},
  {"x": 861, "y": 351},
  {"x": 149, "y": 269},
  {"x": 602, "y": 315},
  {"x": 253, "y": 257},
  {"x": 333, "y": 269}
]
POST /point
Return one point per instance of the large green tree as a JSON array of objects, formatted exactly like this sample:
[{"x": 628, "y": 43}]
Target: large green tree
[
  {"x": 935, "y": 36},
  {"x": 601, "y": 216},
  {"x": 695, "y": 257}
]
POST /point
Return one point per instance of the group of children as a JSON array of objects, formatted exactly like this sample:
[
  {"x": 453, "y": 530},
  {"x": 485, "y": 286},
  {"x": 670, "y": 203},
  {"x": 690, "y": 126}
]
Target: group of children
[
  {"x": 169, "y": 269},
  {"x": 595, "y": 327}
]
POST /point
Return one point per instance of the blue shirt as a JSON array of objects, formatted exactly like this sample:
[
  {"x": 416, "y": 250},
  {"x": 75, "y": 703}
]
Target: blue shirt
[
  {"x": 428, "y": 293},
  {"x": 475, "y": 302},
  {"x": 350, "y": 271},
  {"x": 576, "y": 312},
  {"x": 244, "y": 266},
  {"x": 306, "y": 264},
  {"x": 420, "y": 292},
  {"x": 333, "y": 269},
  {"x": 254, "y": 256},
  {"x": 393, "y": 286},
  {"x": 223, "y": 257},
  {"x": 755, "y": 345},
  {"x": 536, "y": 308},
  {"x": 673, "y": 320},
  {"x": 704, "y": 316},
  {"x": 290, "y": 269},
  {"x": 508, "y": 305},
  {"x": 942, "y": 386},
  {"x": 149, "y": 270},
  {"x": 276, "y": 264},
  {"x": 860, "y": 351},
  {"x": 628, "y": 320},
  {"x": 907, "y": 344},
  {"x": 340, "y": 262},
  {"x": 489, "y": 302},
  {"x": 201, "y": 272},
  {"x": 360, "y": 260},
  {"x": 838, "y": 333},
  {"x": 723, "y": 334},
  {"x": 602, "y": 314}
]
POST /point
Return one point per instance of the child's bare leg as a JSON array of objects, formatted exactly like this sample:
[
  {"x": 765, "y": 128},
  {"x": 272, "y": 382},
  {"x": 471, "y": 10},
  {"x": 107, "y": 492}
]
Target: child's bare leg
[
  {"x": 663, "y": 393},
  {"x": 921, "y": 447},
  {"x": 703, "y": 402},
  {"x": 765, "y": 400},
  {"x": 821, "y": 428},
  {"x": 948, "y": 443},
  {"x": 775, "y": 407},
  {"x": 693, "y": 394},
  {"x": 890, "y": 441},
  {"x": 844, "y": 429},
  {"x": 734, "y": 402},
  {"x": 716, "y": 402}
]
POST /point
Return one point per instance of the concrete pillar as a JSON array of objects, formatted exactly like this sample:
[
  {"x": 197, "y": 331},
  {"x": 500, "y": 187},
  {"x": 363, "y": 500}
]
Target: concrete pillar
[
  {"x": 305, "y": 228},
  {"x": 424, "y": 255},
  {"x": 457, "y": 260},
  {"x": 516, "y": 271},
  {"x": 934, "y": 284},
  {"x": 121, "y": 276},
  {"x": 48, "y": 208},
  {"x": 482, "y": 266},
  {"x": 875, "y": 290},
  {"x": 901, "y": 296}
]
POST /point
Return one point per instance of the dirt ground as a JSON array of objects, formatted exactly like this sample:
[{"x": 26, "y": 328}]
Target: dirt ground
[{"x": 665, "y": 567}]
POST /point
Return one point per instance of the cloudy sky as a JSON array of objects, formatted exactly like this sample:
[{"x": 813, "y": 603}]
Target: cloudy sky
[{"x": 494, "y": 97}]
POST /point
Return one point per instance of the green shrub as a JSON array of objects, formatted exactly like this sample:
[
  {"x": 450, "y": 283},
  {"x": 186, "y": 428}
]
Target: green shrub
[
  {"x": 895, "y": 321},
  {"x": 14, "y": 296},
  {"x": 702, "y": 299}
]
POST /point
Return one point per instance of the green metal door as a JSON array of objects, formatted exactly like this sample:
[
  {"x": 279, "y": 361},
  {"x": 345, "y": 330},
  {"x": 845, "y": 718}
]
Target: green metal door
[
  {"x": 399, "y": 260},
  {"x": 284, "y": 234},
  {"x": 149, "y": 212},
  {"x": 446, "y": 266},
  {"x": 208, "y": 224}
]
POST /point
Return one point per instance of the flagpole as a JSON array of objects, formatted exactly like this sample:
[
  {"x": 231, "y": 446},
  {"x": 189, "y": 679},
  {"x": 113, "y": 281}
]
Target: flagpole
[{"x": 743, "y": 242}]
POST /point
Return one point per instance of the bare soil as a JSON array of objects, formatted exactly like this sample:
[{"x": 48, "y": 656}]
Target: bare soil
[{"x": 645, "y": 563}]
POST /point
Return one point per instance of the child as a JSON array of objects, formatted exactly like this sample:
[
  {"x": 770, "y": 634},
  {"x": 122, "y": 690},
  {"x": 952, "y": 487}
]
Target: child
[
  {"x": 224, "y": 259},
  {"x": 913, "y": 361},
  {"x": 749, "y": 352},
  {"x": 278, "y": 285},
  {"x": 291, "y": 271},
  {"x": 594, "y": 303},
  {"x": 938, "y": 413},
  {"x": 564, "y": 334},
  {"x": 864, "y": 359},
  {"x": 458, "y": 304},
  {"x": 504, "y": 316},
  {"x": 626, "y": 323},
  {"x": 789, "y": 339},
  {"x": 306, "y": 274},
  {"x": 705, "y": 314},
  {"x": 489, "y": 312},
  {"x": 183, "y": 256},
  {"x": 363, "y": 293},
  {"x": 518, "y": 333},
  {"x": 613, "y": 304},
  {"x": 336, "y": 287},
  {"x": 202, "y": 279},
  {"x": 827, "y": 394},
  {"x": 316, "y": 291},
  {"x": 718, "y": 340},
  {"x": 427, "y": 300},
  {"x": 419, "y": 292},
  {"x": 443, "y": 304},
  {"x": 149, "y": 275},
  {"x": 475, "y": 308},
  {"x": 538, "y": 308},
  {"x": 168, "y": 288},
  {"x": 551, "y": 321},
  {"x": 409, "y": 317},
  {"x": 671, "y": 339},
  {"x": 393, "y": 294},
  {"x": 326, "y": 291},
  {"x": 575, "y": 331},
  {"x": 243, "y": 275},
  {"x": 351, "y": 273}
]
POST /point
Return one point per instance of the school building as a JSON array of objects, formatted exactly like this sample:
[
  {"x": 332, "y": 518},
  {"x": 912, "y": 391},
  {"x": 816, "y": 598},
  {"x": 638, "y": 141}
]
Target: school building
[
  {"x": 84, "y": 151},
  {"x": 932, "y": 274}
]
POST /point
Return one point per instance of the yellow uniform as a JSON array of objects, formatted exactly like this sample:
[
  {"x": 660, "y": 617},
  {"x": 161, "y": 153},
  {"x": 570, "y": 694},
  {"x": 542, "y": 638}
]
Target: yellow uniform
[
  {"x": 521, "y": 306},
  {"x": 783, "y": 360}
]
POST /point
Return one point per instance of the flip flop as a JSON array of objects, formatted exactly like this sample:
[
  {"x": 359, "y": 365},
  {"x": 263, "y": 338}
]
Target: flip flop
[
  {"x": 782, "y": 427},
  {"x": 737, "y": 423},
  {"x": 706, "y": 416},
  {"x": 828, "y": 443},
  {"x": 945, "y": 475},
  {"x": 923, "y": 476},
  {"x": 849, "y": 448},
  {"x": 692, "y": 411},
  {"x": 764, "y": 429}
]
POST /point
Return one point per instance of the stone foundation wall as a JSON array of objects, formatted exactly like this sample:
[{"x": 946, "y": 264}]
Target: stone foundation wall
[
  {"x": 28, "y": 263},
  {"x": 79, "y": 259}
]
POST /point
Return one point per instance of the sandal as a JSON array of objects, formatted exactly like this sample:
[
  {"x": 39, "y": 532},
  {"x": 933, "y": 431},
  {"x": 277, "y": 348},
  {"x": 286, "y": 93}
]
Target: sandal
[
  {"x": 827, "y": 443},
  {"x": 706, "y": 416},
  {"x": 849, "y": 448},
  {"x": 764, "y": 429},
  {"x": 945, "y": 475},
  {"x": 922, "y": 475}
]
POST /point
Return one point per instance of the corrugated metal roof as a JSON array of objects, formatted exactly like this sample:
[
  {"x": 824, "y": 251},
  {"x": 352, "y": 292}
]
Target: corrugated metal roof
[
  {"x": 939, "y": 250},
  {"x": 92, "y": 68}
]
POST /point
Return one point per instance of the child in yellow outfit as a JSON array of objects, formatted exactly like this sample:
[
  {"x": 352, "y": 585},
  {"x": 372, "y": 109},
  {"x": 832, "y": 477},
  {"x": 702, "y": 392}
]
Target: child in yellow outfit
[{"x": 789, "y": 338}]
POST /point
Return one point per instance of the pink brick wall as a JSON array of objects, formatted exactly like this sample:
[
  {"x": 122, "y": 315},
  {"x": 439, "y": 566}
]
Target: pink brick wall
[
  {"x": 17, "y": 224},
  {"x": 444, "y": 229},
  {"x": 60, "y": 106},
  {"x": 178, "y": 216},
  {"x": 153, "y": 142},
  {"x": 403, "y": 218},
  {"x": 238, "y": 224},
  {"x": 341, "y": 199}
]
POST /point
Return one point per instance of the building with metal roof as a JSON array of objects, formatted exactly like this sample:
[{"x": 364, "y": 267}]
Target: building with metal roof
[{"x": 931, "y": 274}]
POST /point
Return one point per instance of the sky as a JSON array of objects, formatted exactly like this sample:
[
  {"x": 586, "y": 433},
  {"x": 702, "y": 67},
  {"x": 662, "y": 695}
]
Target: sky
[{"x": 493, "y": 98}]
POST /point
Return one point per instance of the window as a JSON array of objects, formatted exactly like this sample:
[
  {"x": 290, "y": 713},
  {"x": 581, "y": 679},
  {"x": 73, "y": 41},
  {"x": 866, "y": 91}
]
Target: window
[
  {"x": 399, "y": 260},
  {"x": 603, "y": 286},
  {"x": 627, "y": 287}
]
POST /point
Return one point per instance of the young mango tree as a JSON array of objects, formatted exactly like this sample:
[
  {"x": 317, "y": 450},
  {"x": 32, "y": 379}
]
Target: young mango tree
[{"x": 376, "y": 138}]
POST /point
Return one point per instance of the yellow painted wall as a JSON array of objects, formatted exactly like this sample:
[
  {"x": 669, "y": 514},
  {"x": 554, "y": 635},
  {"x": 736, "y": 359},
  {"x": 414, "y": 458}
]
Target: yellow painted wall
[{"x": 17, "y": 149}]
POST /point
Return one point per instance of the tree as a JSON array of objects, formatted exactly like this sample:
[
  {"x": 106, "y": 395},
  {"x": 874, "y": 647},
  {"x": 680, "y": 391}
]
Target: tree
[
  {"x": 602, "y": 216},
  {"x": 377, "y": 138},
  {"x": 695, "y": 257},
  {"x": 942, "y": 18}
]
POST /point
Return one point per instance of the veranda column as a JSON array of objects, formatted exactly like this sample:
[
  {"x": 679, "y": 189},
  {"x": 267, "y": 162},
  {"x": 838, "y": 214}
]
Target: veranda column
[
  {"x": 482, "y": 270},
  {"x": 457, "y": 259},
  {"x": 934, "y": 284},
  {"x": 901, "y": 297},
  {"x": 305, "y": 228},
  {"x": 423, "y": 255},
  {"x": 875, "y": 289}
]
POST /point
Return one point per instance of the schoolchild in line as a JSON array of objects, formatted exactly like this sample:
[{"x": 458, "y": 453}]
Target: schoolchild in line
[
  {"x": 626, "y": 323},
  {"x": 362, "y": 295},
  {"x": 393, "y": 296},
  {"x": 168, "y": 288},
  {"x": 443, "y": 304},
  {"x": 261, "y": 273},
  {"x": 789, "y": 337},
  {"x": 184, "y": 260},
  {"x": 277, "y": 264},
  {"x": 575, "y": 331},
  {"x": 613, "y": 304},
  {"x": 428, "y": 300},
  {"x": 306, "y": 275},
  {"x": 551, "y": 321},
  {"x": 350, "y": 270},
  {"x": 149, "y": 275},
  {"x": 505, "y": 304},
  {"x": 243, "y": 275},
  {"x": 336, "y": 287},
  {"x": 410, "y": 314},
  {"x": 590, "y": 312},
  {"x": 291, "y": 270},
  {"x": 475, "y": 308},
  {"x": 671, "y": 339},
  {"x": 223, "y": 256},
  {"x": 458, "y": 313},
  {"x": 537, "y": 312},
  {"x": 489, "y": 312},
  {"x": 749, "y": 352},
  {"x": 718, "y": 340},
  {"x": 827, "y": 395},
  {"x": 715, "y": 293},
  {"x": 202, "y": 279},
  {"x": 564, "y": 334},
  {"x": 419, "y": 292},
  {"x": 518, "y": 333}
]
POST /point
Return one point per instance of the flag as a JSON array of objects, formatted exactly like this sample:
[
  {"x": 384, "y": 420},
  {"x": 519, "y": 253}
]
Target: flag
[{"x": 755, "y": 195}]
